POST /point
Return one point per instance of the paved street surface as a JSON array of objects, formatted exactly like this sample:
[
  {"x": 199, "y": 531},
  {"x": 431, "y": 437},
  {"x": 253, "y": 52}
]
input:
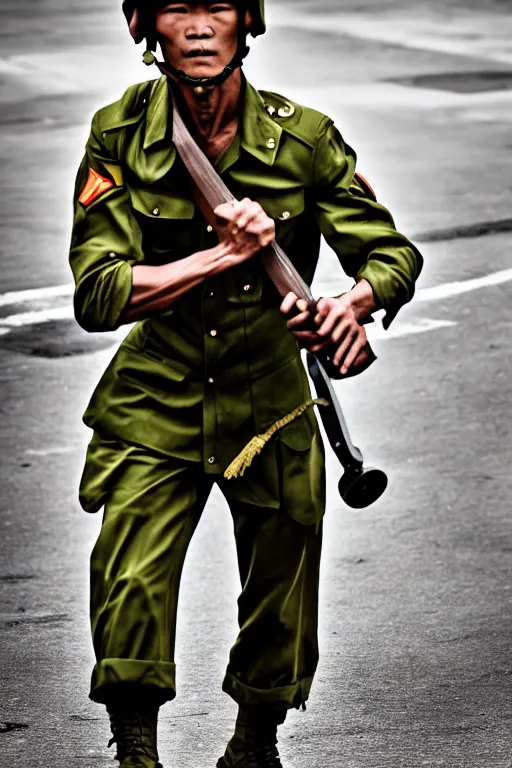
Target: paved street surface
[{"x": 416, "y": 617}]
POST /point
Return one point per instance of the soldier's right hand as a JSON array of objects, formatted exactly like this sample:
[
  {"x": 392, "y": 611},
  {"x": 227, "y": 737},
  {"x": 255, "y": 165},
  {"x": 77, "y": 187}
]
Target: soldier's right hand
[{"x": 243, "y": 228}]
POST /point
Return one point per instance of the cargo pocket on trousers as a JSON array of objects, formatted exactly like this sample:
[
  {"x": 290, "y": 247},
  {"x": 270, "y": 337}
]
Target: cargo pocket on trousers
[
  {"x": 301, "y": 469},
  {"x": 104, "y": 463}
]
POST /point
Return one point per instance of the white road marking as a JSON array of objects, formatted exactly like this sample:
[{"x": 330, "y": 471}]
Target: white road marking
[
  {"x": 448, "y": 290},
  {"x": 34, "y": 294},
  {"x": 408, "y": 328},
  {"x": 37, "y": 317},
  {"x": 52, "y": 451}
]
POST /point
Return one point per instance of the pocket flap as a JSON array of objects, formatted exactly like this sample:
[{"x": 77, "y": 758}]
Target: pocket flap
[
  {"x": 150, "y": 369},
  {"x": 298, "y": 435},
  {"x": 283, "y": 205},
  {"x": 167, "y": 205}
]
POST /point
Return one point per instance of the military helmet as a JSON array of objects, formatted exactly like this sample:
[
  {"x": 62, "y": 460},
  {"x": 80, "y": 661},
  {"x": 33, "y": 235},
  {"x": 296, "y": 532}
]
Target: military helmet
[{"x": 257, "y": 8}]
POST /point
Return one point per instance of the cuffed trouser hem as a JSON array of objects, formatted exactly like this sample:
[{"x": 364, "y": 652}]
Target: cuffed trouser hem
[
  {"x": 285, "y": 697},
  {"x": 111, "y": 672}
]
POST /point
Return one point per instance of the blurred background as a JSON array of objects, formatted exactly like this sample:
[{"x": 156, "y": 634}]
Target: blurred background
[{"x": 416, "y": 613}]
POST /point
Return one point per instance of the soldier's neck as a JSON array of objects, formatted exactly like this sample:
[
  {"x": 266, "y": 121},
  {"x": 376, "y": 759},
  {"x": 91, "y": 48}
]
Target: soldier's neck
[{"x": 212, "y": 116}]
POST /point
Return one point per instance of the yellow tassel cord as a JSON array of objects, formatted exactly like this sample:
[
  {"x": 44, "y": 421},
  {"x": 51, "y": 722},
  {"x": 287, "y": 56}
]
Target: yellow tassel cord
[{"x": 257, "y": 444}]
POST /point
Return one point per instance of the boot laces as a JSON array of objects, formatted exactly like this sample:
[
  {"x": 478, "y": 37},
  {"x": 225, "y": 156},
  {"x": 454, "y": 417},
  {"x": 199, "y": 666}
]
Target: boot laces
[
  {"x": 268, "y": 755},
  {"x": 132, "y": 735},
  {"x": 262, "y": 749}
]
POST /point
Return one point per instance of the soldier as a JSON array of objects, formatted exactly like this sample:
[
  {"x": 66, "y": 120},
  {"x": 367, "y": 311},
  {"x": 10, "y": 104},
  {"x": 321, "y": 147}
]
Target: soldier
[{"x": 211, "y": 361}]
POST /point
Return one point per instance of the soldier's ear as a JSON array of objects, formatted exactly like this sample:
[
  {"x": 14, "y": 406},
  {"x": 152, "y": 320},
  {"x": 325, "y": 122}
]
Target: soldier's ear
[
  {"x": 134, "y": 26},
  {"x": 248, "y": 21}
]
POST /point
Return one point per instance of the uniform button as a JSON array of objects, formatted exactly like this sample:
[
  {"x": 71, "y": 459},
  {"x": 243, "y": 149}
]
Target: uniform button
[
  {"x": 213, "y": 333},
  {"x": 271, "y": 143},
  {"x": 209, "y": 228},
  {"x": 156, "y": 211},
  {"x": 285, "y": 215},
  {"x": 287, "y": 111},
  {"x": 211, "y": 294},
  {"x": 211, "y": 460},
  {"x": 247, "y": 288},
  {"x": 210, "y": 381}
]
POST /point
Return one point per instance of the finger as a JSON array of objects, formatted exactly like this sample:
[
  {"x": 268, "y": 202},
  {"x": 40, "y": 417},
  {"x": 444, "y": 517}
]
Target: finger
[
  {"x": 309, "y": 335},
  {"x": 261, "y": 226},
  {"x": 321, "y": 316},
  {"x": 227, "y": 211},
  {"x": 288, "y": 302},
  {"x": 317, "y": 348},
  {"x": 250, "y": 212},
  {"x": 351, "y": 355},
  {"x": 360, "y": 357},
  {"x": 265, "y": 240},
  {"x": 324, "y": 306},
  {"x": 312, "y": 343},
  {"x": 343, "y": 348},
  {"x": 357, "y": 342},
  {"x": 330, "y": 321},
  {"x": 342, "y": 329},
  {"x": 306, "y": 338},
  {"x": 298, "y": 321}
]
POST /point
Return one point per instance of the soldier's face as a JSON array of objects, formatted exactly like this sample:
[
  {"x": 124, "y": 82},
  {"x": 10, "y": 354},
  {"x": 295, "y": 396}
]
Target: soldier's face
[{"x": 199, "y": 38}]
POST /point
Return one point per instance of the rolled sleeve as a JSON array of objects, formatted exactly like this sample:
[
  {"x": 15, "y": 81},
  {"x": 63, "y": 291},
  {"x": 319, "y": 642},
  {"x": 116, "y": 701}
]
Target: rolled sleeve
[
  {"x": 105, "y": 243},
  {"x": 360, "y": 230}
]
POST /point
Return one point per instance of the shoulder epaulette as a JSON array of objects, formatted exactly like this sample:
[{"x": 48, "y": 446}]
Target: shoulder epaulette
[{"x": 301, "y": 122}]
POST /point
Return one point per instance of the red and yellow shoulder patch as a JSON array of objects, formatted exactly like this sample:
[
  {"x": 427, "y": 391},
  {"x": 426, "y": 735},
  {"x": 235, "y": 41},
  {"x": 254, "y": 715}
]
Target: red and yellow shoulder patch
[{"x": 95, "y": 186}]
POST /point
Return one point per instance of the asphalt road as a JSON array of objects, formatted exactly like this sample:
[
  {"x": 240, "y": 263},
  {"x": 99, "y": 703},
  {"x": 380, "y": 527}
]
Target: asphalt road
[{"x": 416, "y": 610}]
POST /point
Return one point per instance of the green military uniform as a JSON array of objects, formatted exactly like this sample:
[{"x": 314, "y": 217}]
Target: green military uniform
[{"x": 189, "y": 387}]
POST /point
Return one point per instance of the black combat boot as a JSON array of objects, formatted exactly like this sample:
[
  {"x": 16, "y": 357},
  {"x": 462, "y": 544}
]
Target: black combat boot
[
  {"x": 254, "y": 742},
  {"x": 134, "y": 732}
]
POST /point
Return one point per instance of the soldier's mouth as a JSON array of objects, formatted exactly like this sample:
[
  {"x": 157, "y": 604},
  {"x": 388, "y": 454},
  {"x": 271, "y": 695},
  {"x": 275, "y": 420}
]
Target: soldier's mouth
[{"x": 199, "y": 52}]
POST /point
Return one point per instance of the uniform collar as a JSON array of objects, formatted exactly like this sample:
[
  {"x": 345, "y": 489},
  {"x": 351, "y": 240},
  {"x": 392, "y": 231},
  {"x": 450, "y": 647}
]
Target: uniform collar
[
  {"x": 157, "y": 114},
  {"x": 260, "y": 135}
]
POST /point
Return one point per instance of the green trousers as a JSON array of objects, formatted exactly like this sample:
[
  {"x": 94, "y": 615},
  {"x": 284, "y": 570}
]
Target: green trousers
[{"x": 150, "y": 515}]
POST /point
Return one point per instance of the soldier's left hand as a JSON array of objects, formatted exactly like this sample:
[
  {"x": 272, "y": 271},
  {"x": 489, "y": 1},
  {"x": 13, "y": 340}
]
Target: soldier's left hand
[{"x": 334, "y": 322}]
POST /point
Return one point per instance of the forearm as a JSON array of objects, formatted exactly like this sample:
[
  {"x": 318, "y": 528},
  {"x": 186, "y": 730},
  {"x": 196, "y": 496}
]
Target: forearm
[
  {"x": 362, "y": 300},
  {"x": 155, "y": 288}
]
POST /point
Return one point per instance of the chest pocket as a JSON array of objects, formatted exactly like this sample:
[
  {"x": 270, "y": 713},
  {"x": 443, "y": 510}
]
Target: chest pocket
[
  {"x": 161, "y": 204},
  {"x": 165, "y": 218},
  {"x": 283, "y": 206}
]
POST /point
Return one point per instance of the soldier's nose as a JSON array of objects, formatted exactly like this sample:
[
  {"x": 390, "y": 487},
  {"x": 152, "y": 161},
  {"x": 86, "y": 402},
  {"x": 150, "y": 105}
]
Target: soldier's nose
[
  {"x": 194, "y": 34},
  {"x": 199, "y": 29}
]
